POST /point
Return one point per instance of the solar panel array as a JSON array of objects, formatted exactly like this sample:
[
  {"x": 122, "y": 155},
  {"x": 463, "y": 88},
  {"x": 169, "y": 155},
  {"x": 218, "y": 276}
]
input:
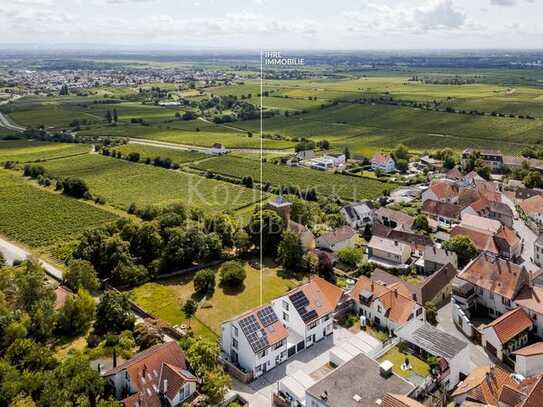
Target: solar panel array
[
  {"x": 267, "y": 316},
  {"x": 300, "y": 302},
  {"x": 255, "y": 335}
]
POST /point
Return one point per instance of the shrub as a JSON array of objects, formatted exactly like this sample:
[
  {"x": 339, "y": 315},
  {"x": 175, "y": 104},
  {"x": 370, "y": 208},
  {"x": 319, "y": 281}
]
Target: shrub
[
  {"x": 75, "y": 187},
  {"x": 232, "y": 274},
  {"x": 204, "y": 280}
]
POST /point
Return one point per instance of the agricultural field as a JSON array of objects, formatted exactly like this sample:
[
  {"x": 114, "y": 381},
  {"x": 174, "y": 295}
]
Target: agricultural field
[
  {"x": 208, "y": 135},
  {"x": 369, "y": 128},
  {"x": 223, "y": 303},
  {"x": 40, "y": 218},
  {"x": 176, "y": 155},
  {"x": 347, "y": 187},
  {"x": 27, "y": 151},
  {"x": 121, "y": 183}
]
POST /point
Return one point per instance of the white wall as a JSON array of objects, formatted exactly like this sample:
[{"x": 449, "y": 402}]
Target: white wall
[{"x": 529, "y": 365}]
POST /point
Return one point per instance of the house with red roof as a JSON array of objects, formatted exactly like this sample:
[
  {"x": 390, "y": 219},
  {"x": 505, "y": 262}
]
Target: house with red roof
[
  {"x": 507, "y": 333},
  {"x": 155, "y": 377},
  {"x": 383, "y": 163}
]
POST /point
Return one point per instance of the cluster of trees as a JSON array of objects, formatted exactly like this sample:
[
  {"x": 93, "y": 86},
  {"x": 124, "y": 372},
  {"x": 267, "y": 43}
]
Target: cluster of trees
[
  {"x": 30, "y": 374},
  {"x": 169, "y": 239},
  {"x": 533, "y": 152},
  {"x": 71, "y": 186},
  {"x": 447, "y": 156},
  {"x": 164, "y": 162},
  {"x": 530, "y": 178},
  {"x": 475, "y": 163},
  {"x": 111, "y": 117}
]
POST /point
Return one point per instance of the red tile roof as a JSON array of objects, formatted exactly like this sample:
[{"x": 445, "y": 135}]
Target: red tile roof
[
  {"x": 380, "y": 159},
  {"x": 510, "y": 324},
  {"x": 530, "y": 350},
  {"x": 481, "y": 240},
  {"x": 496, "y": 275},
  {"x": 535, "y": 397},
  {"x": 484, "y": 383},
  {"x": 531, "y": 298},
  {"x": 532, "y": 205}
]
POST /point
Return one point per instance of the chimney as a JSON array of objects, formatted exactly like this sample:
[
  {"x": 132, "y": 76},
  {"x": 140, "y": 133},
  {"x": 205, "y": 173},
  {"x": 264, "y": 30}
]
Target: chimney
[{"x": 165, "y": 385}]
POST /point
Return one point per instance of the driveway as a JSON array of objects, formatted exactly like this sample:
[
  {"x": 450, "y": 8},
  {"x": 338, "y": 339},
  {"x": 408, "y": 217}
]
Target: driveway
[
  {"x": 526, "y": 234},
  {"x": 477, "y": 354},
  {"x": 259, "y": 392}
]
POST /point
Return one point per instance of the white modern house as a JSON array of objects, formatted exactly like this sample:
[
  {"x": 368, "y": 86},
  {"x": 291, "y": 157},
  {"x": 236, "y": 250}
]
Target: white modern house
[
  {"x": 383, "y": 163},
  {"x": 308, "y": 311},
  {"x": 358, "y": 214},
  {"x": 255, "y": 341}
]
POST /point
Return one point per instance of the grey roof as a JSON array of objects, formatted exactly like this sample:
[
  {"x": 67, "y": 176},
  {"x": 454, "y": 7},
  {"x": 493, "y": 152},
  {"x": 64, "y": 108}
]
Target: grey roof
[
  {"x": 351, "y": 211},
  {"x": 360, "y": 376},
  {"x": 431, "y": 339},
  {"x": 439, "y": 255}
]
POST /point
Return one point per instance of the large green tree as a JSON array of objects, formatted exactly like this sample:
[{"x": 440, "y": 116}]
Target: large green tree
[
  {"x": 463, "y": 247},
  {"x": 113, "y": 314},
  {"x": 270, "y": 228},
  {"x": 290, "y": 252}
]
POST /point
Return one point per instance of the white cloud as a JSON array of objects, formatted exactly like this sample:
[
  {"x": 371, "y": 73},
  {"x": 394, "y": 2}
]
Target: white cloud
[{"x": 440, "y": 14}]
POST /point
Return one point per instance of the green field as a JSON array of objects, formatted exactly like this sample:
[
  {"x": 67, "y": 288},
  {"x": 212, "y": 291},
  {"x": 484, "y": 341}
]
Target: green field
[
  {"x": 177, "y": 156},
  {"x": 347, "y": 187},
  {"x": 223, "y": 304},
  {"x": 122, "y": 183},
  {"x": 41, "y": 218},
  {"x": 27, "y": 150}
]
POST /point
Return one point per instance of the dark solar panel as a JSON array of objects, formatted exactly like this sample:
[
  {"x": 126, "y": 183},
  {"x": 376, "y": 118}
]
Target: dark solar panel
[
  {"x": 255, "y": 335},
  {"x": 267, "y": 316},
  {"x": 300, "y": 302}
]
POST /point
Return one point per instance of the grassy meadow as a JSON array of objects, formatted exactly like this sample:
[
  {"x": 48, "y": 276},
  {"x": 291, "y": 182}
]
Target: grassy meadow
[{"x": 27, "y": 151}]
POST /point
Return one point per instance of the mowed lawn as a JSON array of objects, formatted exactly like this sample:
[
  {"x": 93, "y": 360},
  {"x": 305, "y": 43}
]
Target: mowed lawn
[
  {"x": 28, "y": 150},
  {"x": 40, "y": 218},
  {"x": 164, "y": 299},
  {"x": 122, "y": 183},
  {"x": 347, "y": 187}
]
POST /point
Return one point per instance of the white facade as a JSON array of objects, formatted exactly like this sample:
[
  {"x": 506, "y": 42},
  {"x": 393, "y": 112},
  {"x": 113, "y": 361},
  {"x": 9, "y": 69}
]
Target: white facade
[
  {"x": 376, "y": 312},
  {"x": 237, "y": 347},
  {"x": 529, "y": 365},
  {"x": 312, "y": 332},
  {"x": 387, "y": 165},
  {"x": 218, "y": 149},
  {"x": 358, "y": 215}
]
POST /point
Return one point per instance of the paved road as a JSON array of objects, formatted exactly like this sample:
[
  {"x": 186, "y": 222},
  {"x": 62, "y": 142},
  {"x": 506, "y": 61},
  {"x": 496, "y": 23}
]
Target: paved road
[
  {"x": 444, "y": 318},
  {"x": 526, "y": 234},
  {"x": 4, "y": 122},
  {"x": 13, "y": 252},
  {"x": 187, "y": 147}
]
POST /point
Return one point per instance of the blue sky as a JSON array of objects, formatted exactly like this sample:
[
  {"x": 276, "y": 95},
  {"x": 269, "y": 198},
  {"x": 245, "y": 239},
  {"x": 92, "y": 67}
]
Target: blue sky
[{"x": 269, "y": 24}]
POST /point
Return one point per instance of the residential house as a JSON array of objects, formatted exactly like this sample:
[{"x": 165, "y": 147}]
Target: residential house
[
  {"x": 446, "y": 214},
  {"x": 337, "y": 239},
  {"x": 538, "y": 251},
  {"x": 454, "y": 174},
  {"x": 388, "y": 253},
  {"x": 394, "y": 219},
  {"x": 532, "y": 210},
  {"x": 489, "y": 236},
  {"x": 305, "y": 155},
  {"x": 383, "y": 163},
  {"x": 435, "y": 258},
  {"x": 389, "y": 306},
  {"x": 530, "y": 298},
  {"x": 358, "y": 214},
  {"x": 442, "y": 190},
  {"x": 308, "y": 311},
  {"x": 484, "y": 385},
  {"x": 155, "y": 377},
  {"x": 437, "y": 287},
  {"x": 529, "y": 360},
  {"x": 429, "y": 163},
  {"x": 328, "y": 161},
  {"x": 256, "y": 341},
  {"x": 338, "y": 159},
  {"x": 493, "y": 158},
  {"x": 357, "y": 383},
  {"x": 453, "y": 354},
  {"x": 218, "y": 149},
  {"x": 283, "y": 208},
  {"x": 399, "y": 400},
  {"x": 525, "y": 193},
  {"x": 507, "y": 333},
  {"x": 415, "y": 241},
  {"x": 490, "y": 209},
  {"x": 491, "y": 284}
]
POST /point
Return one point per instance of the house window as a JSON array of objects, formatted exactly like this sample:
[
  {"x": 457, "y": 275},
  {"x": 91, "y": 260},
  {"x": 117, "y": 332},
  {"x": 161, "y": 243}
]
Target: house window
[
  {"x": 312, "y": 325},
  {"x": 285, "y": 305},
  {"x": 235, "y": 331},
  {"x": 262, "y": 354},
  {"x": 285, "y": 316},
  {"x": 234, "y": 343},
  {"x": 278, "y": 345},
  {"x": 379, "y": 309},
  {"x": 506, "y": 302},
  {"x": 327, "y": 317},
  {"x": 491, "y": 295},
  {"x": 419, "y": 311}
]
